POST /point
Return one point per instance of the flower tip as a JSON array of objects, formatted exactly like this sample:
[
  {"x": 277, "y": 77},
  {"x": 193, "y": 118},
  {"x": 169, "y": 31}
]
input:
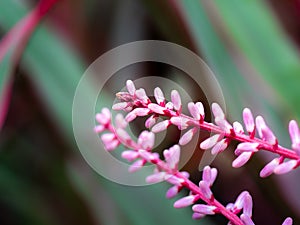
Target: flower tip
[
  {"x": 288, "y": 221},
  {"x": 130, "y": 87}
]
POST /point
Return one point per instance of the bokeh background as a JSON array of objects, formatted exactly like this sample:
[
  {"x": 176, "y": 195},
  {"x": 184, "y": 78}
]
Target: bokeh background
[{"x": 253, "y": 48}]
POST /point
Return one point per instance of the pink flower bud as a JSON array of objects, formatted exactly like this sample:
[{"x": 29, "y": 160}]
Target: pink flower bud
[
  {"x": 220, "y": 146},
  {"x": 248, "y": 120},
  {"x": 185, "y": 201},
  {"x": 172, "y": 156},
  {"x": 156, "y": 177},
  {"x": 295, "y": 135},
  {"x": 130, "y": 87},
  {"x": 264, "y": 131},
  {"x": 150, "y": 121},
  {"x": 238, "y": 128},
  {"x": 123, "y": 136},
  {"x": 176, "y": 100},
  {"x": 240, "y": 201},
  {"x": 205, "y": 189},
  {"x": 246, "y": 147},
  {"x": 156, "y": 108},
  {"x": 269, "y": 168},
  {"x": 288, "y": 221},
  {"x": 204, "y": 209},
  {"x": 180, "y": 122},
  {"x": 161, "y": 126},
  {"x": 187, "y": 137},
  {"x": 200, "y": 108},
  {"x": 223, "y": 124},
  {"x": 120, "y": 106},
  {"x": 172, "y": 191},
  {"x": 194, "y": 110},
  {"x": 109, "y": 146},
  {"x": 120, "y": 121},
  {"x": 170, "y": 106},
  {"x": 146, "y": 140},
  {"x": 286, "y": 167},
  {"x": 197, "y": 216},
  {"x": 174, "y": 180},
  {"x": 242, "y": 159},
  {"x": 217, "y": 111},
  {"x": 141, "y": 94},
  {"x": 209, "y": 175},
  {"x": 137, "y": 165},
  {"x": 159, "y": 96},
  {"x": 246, "y": 220},
  {"x": 248, "y": 205},
  {"x": 211, "y": 141},
  {"x": 130, "y": 155},
  {"x": 99, "y": 128}
]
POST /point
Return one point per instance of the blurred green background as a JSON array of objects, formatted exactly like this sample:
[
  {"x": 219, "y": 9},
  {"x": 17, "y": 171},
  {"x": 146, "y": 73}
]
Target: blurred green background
[{"x": 253, "y": 48}]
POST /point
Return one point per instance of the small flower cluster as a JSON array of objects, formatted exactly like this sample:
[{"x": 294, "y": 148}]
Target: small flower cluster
[{"x": 139, "y": 152}]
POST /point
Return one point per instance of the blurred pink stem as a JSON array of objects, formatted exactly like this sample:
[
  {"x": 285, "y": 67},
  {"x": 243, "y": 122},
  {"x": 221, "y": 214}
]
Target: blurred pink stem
[{"x": 14, "y": 42}]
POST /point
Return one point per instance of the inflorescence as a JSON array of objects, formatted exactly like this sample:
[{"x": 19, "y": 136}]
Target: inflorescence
[{"x": 137, "y": 104}]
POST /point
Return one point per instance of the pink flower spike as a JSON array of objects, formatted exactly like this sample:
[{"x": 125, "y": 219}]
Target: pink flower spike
[
  {"x": 150, "y": 121},
  {"x": 156, "y": 108},
  {"x": 130, "y": 87},
  {"x": 204, "y": 209},
  {"x": 220, "y": 146},
  {"x": 172, "y": 191},
  {"x": 130, "y": 155},
  {"x": 242, "y": 159},
  {"x": 176, "y": 100},
  {"x": 217, "y": 111},
  {"x": 211, "y": 141},
  {"x": 185, "y": 201},
  {"x": 194, "y": 111},
  {"x": 286, "y": 167},
  {"x": 120, "y": 106},
  {"x": 137, "y": 165},
  {"x": 269, "y": 168},
  {"x": 238, "y": 128},
  {"x": 205, "y": 189},
  {"x": 180, "y": 122},
  {"x": 156, "y": 177},
  {"x": 248, "y": 205},
  {"x": 288, "y": 221},
  {"x": 246, "y": 220},
  {"x": 295, "y": 135},
  {"x": 146, "y": 140},
  {"x": 187, "y": 137},
  {"x": 159, "y": 96},
  {"x": 161, "y": 126},
  {"x": 246, "y": 147},
  {"x": 197, "y": 216},
  {"x": 248, "y": 120}
]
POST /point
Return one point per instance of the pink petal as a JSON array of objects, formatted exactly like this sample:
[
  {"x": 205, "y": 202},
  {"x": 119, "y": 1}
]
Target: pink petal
[
  {"x": 161, "y": 126},
  {"x": 205, "y": 189},
  {"x": 180, "y": 122},
  {"x": 217, "y": 111},
  {"x": 176, "y": 100},
  {"x": 137, "y": 165},
  {"x": 150, "y": 121},
  {"x": 246, "y": 147},
  {"x": 156, "y": 108},
  {"x": 172, "y": 179},
  {"x": 246, "y": 220},
  {"x": 286, "y": 167},
  {"x": 184, "y": 202},
  {"x": 172, "y": 156},
  {"x": 269, "y": 168},
  {"x": 120, "y": 121},
  {"x": 239, "y": 203},
  {"x": 242, "y": 159},
  {"x": 223, "y": 124},
  {"x": 109, "y": 146},
  {"x": 220, "y": 146},
  {"x": 248, "y": 205},
  {"x": 99, "y": 128},
  {"x": 130, "y": 155},
  {"x": 170, "y": 105},
  {"x": 141, "y": 94},
  {"x": 187, "y": 137},
  {"x": 194, "y": 111},
  {"x": 238, "y": 128},
  {"x": 200, "y": 108},
  {"x": 123, "y": 136},
  {"x": 156, "y": 177},
  {"x": 248, "y": 120},
  {"x": 120, "y": 105},
  {"x": 294, "y": 134},
  {"x": 210, "y": 142},
  {"x": 288, "y": 221},
  {"x": 204, "y": 209},
  {"x": 172, "y": 192},
  {"x": 197, "y": 216},
  {"x": 146, "y": 140},
  {"x": 209, "y": 175},
  {"x": 264, "y": 131},
  {"x": 130, "y": 87},
  {"x": 159, "y": 96}
]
